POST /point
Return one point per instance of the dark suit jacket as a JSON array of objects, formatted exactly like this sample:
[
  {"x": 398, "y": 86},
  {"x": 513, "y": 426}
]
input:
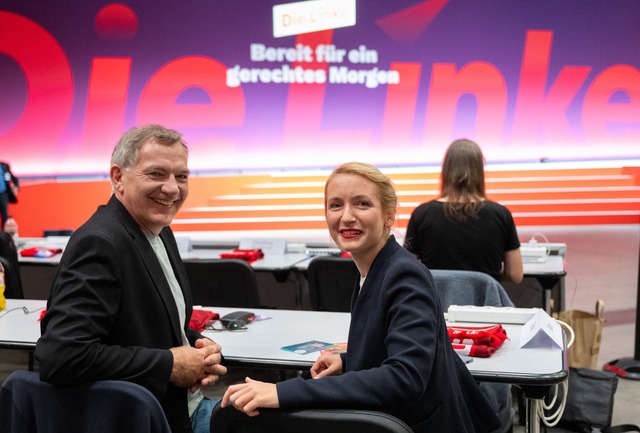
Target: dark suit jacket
[
  {"x": 111, "y": 314},
  {"x": 10, "y": 180},
  {"x": 399, "y": 359}
]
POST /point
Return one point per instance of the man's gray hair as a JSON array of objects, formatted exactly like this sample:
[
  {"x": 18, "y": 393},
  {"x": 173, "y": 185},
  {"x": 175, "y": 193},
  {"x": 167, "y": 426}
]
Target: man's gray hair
[{"x": 125, "y": 153}]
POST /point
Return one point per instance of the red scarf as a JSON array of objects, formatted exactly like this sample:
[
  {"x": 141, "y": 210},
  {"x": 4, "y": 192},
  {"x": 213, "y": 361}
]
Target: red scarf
[{"x": 478, "y": 341}]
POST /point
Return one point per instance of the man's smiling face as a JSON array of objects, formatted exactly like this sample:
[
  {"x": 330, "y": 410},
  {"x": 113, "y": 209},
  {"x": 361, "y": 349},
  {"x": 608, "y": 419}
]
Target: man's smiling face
[{"x": 154, "y": 189}]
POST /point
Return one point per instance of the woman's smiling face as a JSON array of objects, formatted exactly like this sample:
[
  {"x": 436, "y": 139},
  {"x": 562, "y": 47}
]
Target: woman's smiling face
[{"x": 357, "y": 222}]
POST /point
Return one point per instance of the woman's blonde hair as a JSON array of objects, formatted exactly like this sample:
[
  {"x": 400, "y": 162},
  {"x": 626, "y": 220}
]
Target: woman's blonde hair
[{"x": 386, "y": 191}]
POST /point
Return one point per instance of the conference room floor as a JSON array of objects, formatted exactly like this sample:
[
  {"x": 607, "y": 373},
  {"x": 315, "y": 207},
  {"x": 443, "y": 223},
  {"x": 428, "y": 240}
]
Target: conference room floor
[{"x": 602, "y": 263}]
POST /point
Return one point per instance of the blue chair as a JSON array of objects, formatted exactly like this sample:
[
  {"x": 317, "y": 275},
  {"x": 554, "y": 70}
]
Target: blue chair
[
  {"x": 30, "y": 405},
  {"x": 480, "y": 289}
]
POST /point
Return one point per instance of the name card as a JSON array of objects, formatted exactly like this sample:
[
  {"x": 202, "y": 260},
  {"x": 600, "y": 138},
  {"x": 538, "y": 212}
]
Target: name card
[
  {"x": 184, "y": 244},
  {"x": 541, "y": 332},
  {"x": 268, "y": 246}
]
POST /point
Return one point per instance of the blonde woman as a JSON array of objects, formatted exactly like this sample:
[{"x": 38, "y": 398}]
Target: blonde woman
[{"x": 399, "y": 358}]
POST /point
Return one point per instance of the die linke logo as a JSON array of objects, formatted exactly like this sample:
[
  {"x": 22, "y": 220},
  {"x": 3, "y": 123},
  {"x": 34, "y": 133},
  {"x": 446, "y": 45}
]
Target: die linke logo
[
  {"x": 312, "y": 16},
  {"x": 604, "y": 98}
]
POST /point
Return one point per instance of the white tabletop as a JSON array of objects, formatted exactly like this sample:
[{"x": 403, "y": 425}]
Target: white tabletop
[
  {"x": 552, "y": 266},
  {"x": 270, "y": 262},
  {"x": 261, "y": 343},
  {"x": 263, "y": 340},
  {"x": 20, "y": 328}
]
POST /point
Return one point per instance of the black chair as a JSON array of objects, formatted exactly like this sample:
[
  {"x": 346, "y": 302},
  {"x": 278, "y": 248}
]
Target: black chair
[
  {"x": 223, "y": 283},
  {"x": 64, "y": 232},
  {"x": 9, "y": 260},
  {"x": 28, "y": 404},
  {"x": 12, "y": 279},
  {"x": 480, "y": 289},
  {"x": 332, "y": 281},
  {"x": 230, "y": 420}
]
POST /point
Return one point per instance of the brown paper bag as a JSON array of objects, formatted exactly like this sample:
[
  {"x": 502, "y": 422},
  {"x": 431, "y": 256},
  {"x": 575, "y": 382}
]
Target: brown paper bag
[{"x": 588, "y": 335}]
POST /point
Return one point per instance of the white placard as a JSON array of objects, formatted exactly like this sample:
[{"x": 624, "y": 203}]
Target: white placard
[
  {"x": 184, "y": 244},
  {"x": 541, "y": 332},
  {"x": 268, "y": 246},
  {"x": 312, "y": 16}
]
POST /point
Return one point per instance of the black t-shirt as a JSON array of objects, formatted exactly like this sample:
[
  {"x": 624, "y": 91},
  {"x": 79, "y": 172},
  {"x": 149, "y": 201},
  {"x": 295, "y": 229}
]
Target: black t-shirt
[{"x": 477, "y": 244}]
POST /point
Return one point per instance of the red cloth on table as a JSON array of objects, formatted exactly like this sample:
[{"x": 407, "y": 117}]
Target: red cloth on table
[
  {"x": 40, "y": 252},
  {"x": 478, "y": 341},
  {"x": 248, "y": 255},
  {"x": 200, "y": 318}
]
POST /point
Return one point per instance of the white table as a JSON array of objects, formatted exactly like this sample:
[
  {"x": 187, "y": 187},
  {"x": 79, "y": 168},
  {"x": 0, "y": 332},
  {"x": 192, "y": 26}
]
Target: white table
[
  {"x": 270, "y": 262},
  {"x": 19, "y": 324},
  {"x": 260, "y": 345},
  {"x": 549, "y": 274},
  {"x": 38, "y": 273},
  {"x": 532, "y": 370}
]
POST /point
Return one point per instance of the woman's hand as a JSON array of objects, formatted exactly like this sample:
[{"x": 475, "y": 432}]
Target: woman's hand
[{"x": 251, "y": 395}]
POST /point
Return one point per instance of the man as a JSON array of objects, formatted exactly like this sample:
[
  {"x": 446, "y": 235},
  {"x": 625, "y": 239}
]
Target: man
[
  {"x": 8, "y": 191},
  {"x": 120, "y": 304}
]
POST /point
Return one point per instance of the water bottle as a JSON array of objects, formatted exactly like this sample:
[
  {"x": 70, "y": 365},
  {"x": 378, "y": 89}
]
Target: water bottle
[
  {"x": 11, "y": 228},
  {"x": 3, "y": 300}
]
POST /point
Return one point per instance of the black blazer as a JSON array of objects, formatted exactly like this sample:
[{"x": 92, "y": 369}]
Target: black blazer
[
  {"x": 10, "y": 180},
  {"x": 399, "y": 359},
  {"x": 111, "y": 314}
]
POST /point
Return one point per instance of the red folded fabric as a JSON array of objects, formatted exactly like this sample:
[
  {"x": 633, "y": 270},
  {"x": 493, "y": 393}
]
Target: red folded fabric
[
  {"x": 40, "y": 252},
  {"x": 479, "y": 341},
  {"x": 474, "y": 350},
  {"x": 200, "y": 318},
  {"x": 248, "y": 255}
]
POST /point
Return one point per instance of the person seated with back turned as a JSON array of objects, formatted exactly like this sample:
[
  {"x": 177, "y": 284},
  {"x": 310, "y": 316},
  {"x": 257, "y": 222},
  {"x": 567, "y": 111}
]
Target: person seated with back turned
[
  {"x": 9, "y": 185},
  {"x": 399, "y": 358},
  {"x": 462, "y": 229},
  {"x": 120, "y": 304}
]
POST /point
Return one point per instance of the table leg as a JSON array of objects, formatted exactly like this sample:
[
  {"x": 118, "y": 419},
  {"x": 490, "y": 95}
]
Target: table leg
[
  {"x": 548, "y": 283},
  {"x": 532, "y": 424},
  {"x": 547, "y": 301}
]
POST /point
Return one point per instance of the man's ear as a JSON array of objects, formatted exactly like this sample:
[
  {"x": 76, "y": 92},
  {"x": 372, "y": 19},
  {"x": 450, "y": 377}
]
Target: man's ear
[{"x": 116, "y": 174}]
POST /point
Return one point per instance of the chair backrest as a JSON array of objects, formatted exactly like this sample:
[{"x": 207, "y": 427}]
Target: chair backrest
[
  {"x": 9, "y": 260},
  {"x": 480, "y": 289},
  {"x": 223, "y": 283},
  {"x": 28, "y": 404},
  {"x": 469, "y": 288},
  {"x": 230, "y": 420},
  {"x": 331, "y": 283}
]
